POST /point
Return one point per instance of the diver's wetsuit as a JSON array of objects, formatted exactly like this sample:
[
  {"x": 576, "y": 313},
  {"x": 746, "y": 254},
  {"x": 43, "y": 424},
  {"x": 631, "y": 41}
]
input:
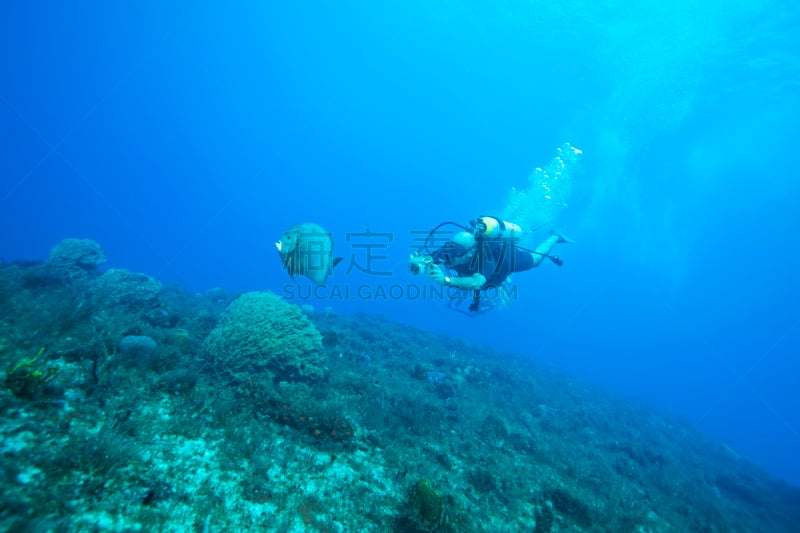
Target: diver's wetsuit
[{"x": 496, "y": 261}]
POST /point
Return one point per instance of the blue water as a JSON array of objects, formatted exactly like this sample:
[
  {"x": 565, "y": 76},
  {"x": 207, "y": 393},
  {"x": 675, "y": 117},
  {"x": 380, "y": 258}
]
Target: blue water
[{"x": 185, "y": 138}]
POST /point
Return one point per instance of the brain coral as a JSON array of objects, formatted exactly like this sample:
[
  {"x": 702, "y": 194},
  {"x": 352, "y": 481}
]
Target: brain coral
[
  {"x": 259, "y": 331},
  {"x": 119, "y": 287},
  {"x": 75, "y": 257}
]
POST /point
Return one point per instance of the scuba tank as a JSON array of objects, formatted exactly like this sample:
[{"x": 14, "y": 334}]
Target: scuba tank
[{"x": 494, "y": 229}]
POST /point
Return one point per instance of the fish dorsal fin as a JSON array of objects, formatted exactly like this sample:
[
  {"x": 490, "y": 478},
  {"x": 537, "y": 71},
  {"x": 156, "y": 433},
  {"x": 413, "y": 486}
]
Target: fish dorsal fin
[{"x": 336, "y": 261}]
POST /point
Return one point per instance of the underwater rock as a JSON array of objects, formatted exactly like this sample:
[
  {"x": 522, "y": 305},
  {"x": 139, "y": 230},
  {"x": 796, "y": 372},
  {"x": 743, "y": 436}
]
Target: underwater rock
[{"x": 435, "y": 378}]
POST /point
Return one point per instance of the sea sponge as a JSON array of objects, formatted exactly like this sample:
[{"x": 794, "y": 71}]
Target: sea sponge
[
  {"x": 137, "y": 346},
  {"x": 427, "y": 502},
  {"x": 261, "y": 332}
]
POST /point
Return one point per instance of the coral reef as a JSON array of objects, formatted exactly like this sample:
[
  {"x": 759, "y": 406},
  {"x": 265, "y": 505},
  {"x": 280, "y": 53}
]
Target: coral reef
[
  {"x": 261, "y": 332},
  {"x": 119, "y": 287},
  {"x": 28, "y": 376},
  {"x": 251, "y": 415},
  {"x": 75, "y": 258}
]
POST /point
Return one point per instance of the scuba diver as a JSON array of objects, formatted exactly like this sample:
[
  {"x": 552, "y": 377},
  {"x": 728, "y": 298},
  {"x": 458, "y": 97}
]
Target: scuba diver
[{"x": 482, "y": 256}]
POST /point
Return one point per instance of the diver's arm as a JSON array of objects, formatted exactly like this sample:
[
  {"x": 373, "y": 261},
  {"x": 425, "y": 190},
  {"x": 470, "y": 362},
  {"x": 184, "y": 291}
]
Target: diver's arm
[{"x": 472, "y": 282}]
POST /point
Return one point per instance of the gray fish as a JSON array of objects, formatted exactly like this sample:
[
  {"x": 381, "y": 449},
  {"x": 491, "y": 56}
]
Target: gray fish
[{"x": 307, "y": 250}]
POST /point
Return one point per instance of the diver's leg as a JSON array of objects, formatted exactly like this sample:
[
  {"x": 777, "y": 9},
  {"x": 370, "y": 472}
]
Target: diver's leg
[{"x": 543, "y": 250}]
